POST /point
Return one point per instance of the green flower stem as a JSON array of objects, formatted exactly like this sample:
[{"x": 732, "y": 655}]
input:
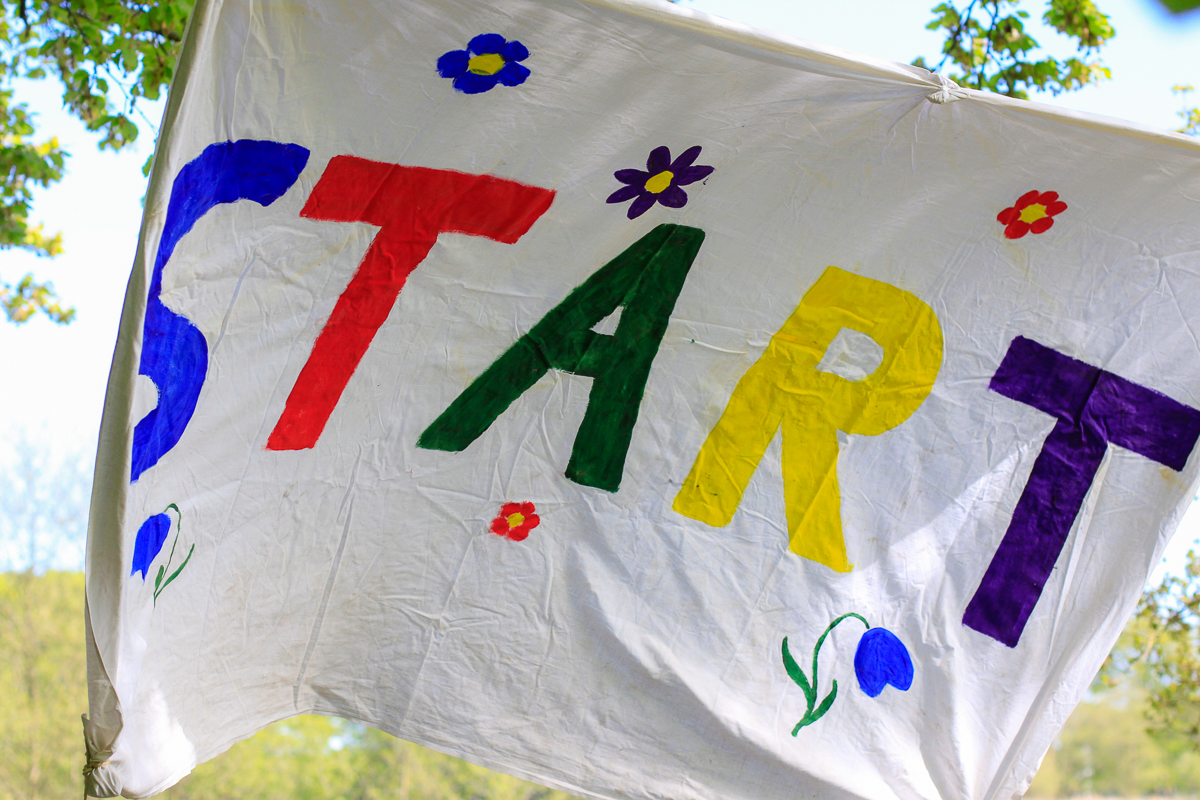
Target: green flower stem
[
  {"x": 821, "y": 641},
  {"x": 159, "y": 583},
  {"x": 813, "y": 711}
]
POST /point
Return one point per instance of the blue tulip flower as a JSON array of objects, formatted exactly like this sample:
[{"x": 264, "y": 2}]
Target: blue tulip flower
[
  {"x": 881, "y": 658},
  {"x": 149, "y": 542},
  {"x": 487, "y": 61}
]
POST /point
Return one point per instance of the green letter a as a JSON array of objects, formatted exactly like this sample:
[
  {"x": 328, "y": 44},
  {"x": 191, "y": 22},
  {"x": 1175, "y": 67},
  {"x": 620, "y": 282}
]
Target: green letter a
[{"x": 645, "y": 281}]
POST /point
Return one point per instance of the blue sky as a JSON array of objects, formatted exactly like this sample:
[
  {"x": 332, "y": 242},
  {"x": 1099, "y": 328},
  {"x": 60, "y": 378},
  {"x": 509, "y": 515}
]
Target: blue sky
[{"x": 56, "y": 375}]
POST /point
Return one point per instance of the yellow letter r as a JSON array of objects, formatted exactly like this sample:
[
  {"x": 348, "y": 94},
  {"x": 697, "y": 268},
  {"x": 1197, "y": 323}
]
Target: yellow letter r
[{"x": 785, "y": 389}]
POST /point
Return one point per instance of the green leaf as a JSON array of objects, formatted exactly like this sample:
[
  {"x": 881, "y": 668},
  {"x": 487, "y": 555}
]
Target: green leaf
[
  {"x": 812, "y": 715},
  {"x": 796, "y": 674},
  {"x": 174, "y": 574},
  {"x": 826, "y": 703}
]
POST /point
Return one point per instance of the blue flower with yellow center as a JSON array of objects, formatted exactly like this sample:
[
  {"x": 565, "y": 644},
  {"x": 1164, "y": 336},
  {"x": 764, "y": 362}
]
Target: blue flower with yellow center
[{"x": 489, "y": 59}]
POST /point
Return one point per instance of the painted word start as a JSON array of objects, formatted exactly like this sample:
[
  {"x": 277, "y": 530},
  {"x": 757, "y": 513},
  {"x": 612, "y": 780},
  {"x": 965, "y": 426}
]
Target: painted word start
[{"x": 784, "y": 389}]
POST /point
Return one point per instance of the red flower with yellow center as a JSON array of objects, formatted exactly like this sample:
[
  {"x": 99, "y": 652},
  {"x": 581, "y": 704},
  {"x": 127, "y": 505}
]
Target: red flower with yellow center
[
  {"x": 515, "y": 521},
  {"x": 1033, "y": 212}
]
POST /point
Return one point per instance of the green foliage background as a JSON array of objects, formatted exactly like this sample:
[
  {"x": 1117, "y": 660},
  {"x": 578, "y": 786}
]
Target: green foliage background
[
  {"x": 1105, "y": 749},
  {"x": 106, "y": 55},
  {"x": 987, "y": 47},
  {"x": 44, "y": 691}
]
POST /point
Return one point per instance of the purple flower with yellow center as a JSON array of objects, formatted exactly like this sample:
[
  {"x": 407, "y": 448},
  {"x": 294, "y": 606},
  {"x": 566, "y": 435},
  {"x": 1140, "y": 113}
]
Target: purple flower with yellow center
[
  {"x": 661, "y": 181},
  {"x": 488, "y": 60}
]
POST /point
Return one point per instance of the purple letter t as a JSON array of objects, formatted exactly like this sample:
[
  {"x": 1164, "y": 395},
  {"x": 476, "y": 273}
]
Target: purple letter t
[{"x": 1094, "y": 409}]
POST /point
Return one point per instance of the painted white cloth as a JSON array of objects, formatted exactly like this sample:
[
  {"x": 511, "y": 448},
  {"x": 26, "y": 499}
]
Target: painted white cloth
[{"x": 516, "y": 376}]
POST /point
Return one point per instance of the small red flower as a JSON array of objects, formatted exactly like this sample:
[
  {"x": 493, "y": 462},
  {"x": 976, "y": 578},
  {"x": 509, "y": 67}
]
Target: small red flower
[
  {"x": 515, "y": 521},
  {"x": 1034, "y": 212}
]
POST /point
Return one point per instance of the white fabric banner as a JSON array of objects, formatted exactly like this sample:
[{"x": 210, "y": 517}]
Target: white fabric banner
[{"x": 632, "y": 402}]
